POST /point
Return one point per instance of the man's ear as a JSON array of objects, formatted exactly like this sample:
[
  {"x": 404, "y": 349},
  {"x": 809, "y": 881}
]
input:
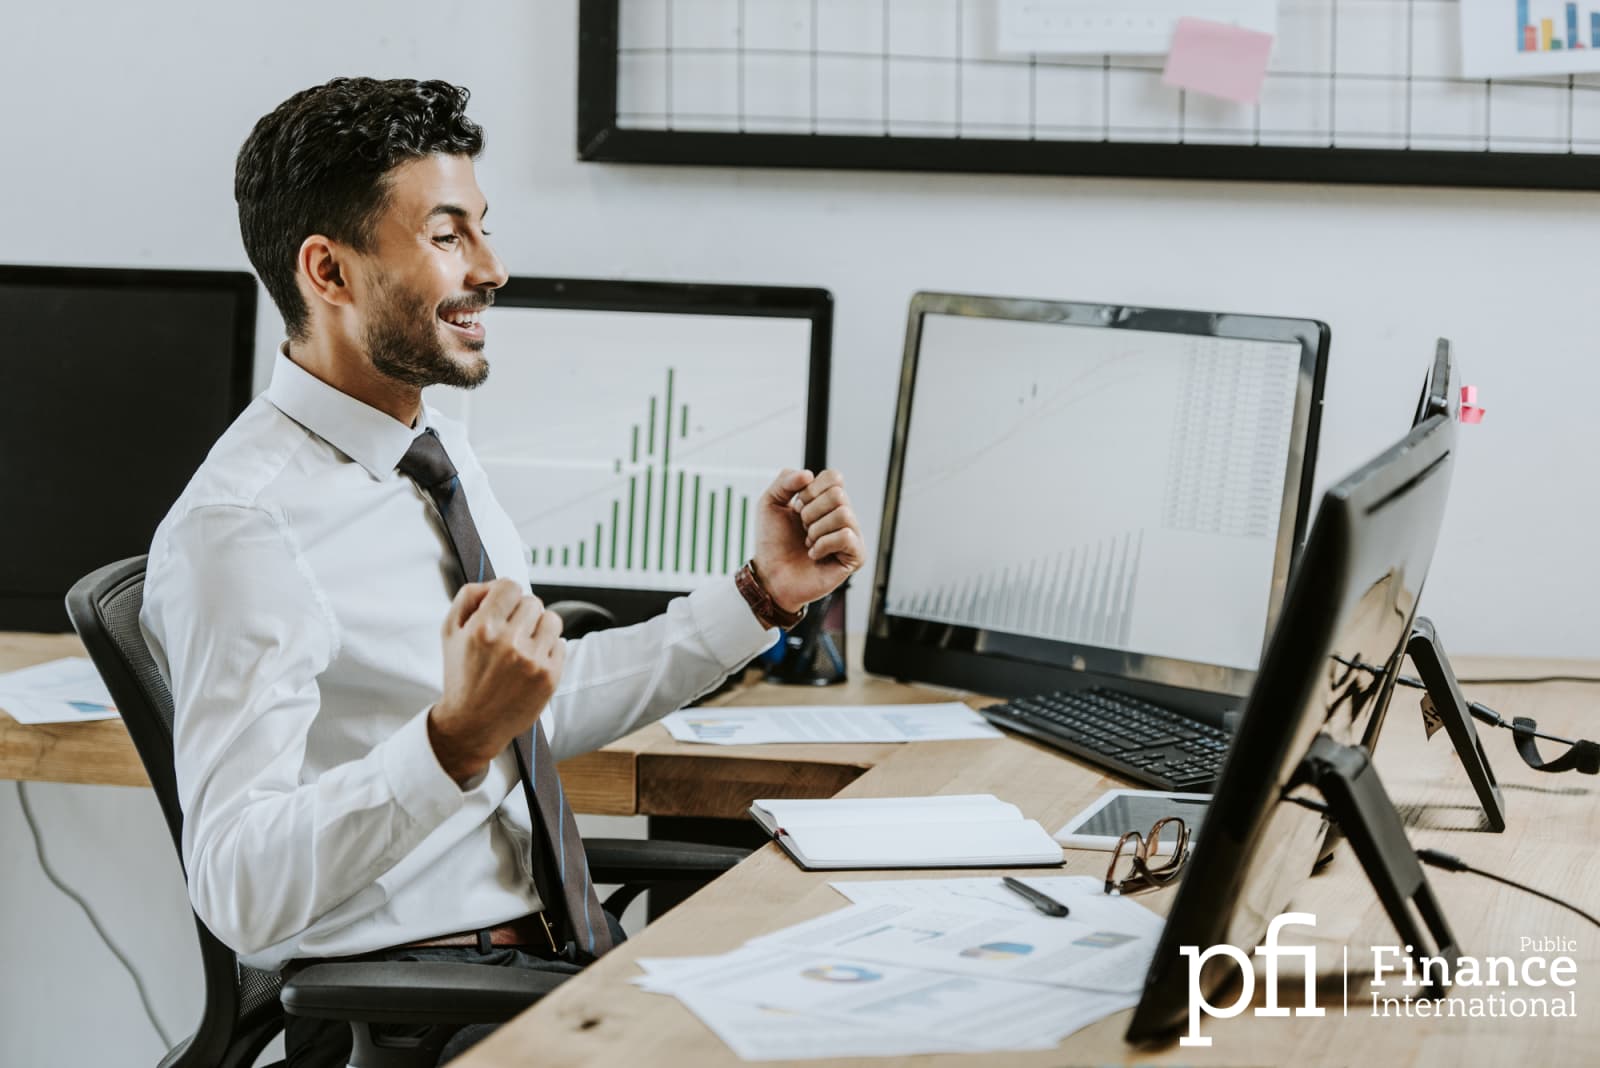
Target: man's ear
[{"x": 321, "y": 267}]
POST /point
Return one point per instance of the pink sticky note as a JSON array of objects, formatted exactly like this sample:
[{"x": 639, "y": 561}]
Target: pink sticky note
[
  {"x": 1469, "y": 414},
  {"x": 1469, "y": 394},
  {"x": 1217, "y": 59}
]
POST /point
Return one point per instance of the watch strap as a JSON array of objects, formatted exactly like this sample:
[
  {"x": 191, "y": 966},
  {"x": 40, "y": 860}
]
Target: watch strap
[{"x": 755, "y": 594}]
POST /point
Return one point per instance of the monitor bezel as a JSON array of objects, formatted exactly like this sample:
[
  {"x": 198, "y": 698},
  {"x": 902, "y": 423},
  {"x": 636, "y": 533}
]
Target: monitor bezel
[
  {"x": 34, "y": 611},
  {"x": 1009, "y": 665},
  {"x": 1441, "y": 392},
  {"x": 810, "y": 303},
  {"x": 1259, "y": 760}
]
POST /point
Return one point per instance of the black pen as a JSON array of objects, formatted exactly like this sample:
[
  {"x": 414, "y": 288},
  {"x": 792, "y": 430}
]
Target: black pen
[{"x": 1043, "y": 902}]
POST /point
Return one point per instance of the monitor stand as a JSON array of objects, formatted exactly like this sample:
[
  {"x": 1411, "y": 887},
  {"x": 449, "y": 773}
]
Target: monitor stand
[
  {"x": 1443, "y": 702},
  {"x": 1360, "y": 807}
]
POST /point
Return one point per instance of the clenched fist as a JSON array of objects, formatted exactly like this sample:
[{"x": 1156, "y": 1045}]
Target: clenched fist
[
  {"x": 807, "y": 538},
  {"x": 503, "y": 656}
]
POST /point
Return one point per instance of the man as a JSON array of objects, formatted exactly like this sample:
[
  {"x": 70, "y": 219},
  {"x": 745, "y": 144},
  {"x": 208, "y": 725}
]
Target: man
[{"x": 364, "y": 684}]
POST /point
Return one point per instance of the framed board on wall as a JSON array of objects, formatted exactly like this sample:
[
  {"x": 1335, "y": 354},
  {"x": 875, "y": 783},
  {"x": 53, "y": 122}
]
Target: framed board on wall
[{"x": 1358, "y": 91}]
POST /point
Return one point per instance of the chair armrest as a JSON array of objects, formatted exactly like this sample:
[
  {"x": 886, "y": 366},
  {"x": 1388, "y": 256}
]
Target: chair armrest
[
  {"x": 634, "y": 860},
  {"x": 582, "y": 617},
  {"x": 414, "y": 992}
]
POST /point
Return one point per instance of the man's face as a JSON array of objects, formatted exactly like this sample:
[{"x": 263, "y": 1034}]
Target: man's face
[{"x": 430, "y": 274}]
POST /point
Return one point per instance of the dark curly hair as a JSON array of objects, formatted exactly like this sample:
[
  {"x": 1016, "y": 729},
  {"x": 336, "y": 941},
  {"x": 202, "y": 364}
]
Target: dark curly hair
[{"x": 318, "y": 164}]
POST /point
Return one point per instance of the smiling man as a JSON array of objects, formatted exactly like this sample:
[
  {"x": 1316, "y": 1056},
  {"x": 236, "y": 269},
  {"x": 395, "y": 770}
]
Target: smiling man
[{"x": 369, "y": 700}]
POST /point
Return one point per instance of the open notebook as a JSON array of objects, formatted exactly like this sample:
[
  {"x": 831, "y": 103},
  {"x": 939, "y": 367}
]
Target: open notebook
[{"x": 956, "y": 831}]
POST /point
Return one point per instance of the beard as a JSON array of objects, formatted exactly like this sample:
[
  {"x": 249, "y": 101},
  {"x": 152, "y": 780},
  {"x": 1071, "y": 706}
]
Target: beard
[{"x": 403, "y": 341}]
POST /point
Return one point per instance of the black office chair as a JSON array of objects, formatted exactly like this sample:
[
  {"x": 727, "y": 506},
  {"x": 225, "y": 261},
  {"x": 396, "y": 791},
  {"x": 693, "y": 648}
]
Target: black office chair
[{"x": 244, "y": 1007}]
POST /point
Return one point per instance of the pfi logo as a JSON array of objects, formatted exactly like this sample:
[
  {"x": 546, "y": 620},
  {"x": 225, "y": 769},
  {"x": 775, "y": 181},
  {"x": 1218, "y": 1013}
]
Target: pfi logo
[{"x": 1271, "y": 952}]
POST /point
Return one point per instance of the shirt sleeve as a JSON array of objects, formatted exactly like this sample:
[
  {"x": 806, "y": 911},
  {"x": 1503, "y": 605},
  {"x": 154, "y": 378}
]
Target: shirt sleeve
[
  {"x": 620, "y": 679},
  {"x": 241, "y": 634}
]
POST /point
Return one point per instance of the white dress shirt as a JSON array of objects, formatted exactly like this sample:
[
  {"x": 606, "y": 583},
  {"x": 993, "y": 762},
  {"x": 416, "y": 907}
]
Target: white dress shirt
[{"x": 293, "y": 601}]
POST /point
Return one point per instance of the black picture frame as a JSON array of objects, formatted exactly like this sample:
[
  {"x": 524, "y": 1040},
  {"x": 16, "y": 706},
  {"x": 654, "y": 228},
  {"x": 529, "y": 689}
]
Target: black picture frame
[{"x": 602, "y": 140}]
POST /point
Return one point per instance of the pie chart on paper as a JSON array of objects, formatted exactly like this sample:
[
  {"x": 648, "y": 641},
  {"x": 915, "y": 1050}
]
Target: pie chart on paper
[
  {"x": 841, "y": 973},
  {"x": 998, "y": 951}
]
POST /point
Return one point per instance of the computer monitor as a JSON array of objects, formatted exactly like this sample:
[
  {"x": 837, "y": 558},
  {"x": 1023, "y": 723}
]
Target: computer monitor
[
  {"x": 1440, "y": 396},
  {"x": 114, "y": 384},
  {"x": 1324, "y": 679},
  {"x": 1444, "y": 705},
  {"x": 1081, "y": 494},
  {"x": 629, "y": 428}
]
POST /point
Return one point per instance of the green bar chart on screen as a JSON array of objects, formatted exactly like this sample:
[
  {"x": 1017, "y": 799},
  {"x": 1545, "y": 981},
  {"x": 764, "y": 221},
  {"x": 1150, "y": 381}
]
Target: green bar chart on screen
[{"x": 631, "y": 453}]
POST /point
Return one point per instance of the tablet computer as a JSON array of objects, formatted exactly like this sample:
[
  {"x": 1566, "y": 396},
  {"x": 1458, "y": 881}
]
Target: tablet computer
[{"x": 1116, "y": 812}]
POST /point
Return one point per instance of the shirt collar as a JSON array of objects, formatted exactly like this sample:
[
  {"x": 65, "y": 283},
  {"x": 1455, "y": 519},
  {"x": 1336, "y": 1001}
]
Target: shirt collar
[{"x": 371, "y": 438}]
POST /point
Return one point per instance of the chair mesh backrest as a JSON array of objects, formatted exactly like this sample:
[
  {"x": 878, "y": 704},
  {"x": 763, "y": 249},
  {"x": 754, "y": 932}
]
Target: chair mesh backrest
[
  {"x": 120, "y": 612},
  {"x": 147, "y": 712}
]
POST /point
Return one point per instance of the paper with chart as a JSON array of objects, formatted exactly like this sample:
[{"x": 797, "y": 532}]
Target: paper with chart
[
  {"x": 68, "y": 690},
  {"x": 1127, "y": 27},
  {"x": 877, "y": 978},
  {"x": 1507, "y": 38},
  {"x": 859, "y": 1006},
  {"x": 629, "y": 448},
  {"x": 1182, "y": 443},
  {"x": 724, "y": 725},
  {"x": 1070, "y": 952}
]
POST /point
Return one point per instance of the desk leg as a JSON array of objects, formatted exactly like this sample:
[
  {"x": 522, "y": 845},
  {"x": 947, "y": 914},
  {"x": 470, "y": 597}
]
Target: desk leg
[{"x": 696, "y": 829}]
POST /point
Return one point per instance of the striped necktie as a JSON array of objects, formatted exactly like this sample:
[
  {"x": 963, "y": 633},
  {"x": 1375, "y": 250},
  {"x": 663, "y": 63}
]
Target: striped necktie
[{"x": 560, "y": 868}]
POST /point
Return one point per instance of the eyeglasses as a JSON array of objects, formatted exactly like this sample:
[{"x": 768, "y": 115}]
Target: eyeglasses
[{"x": 1136, "y": 864}]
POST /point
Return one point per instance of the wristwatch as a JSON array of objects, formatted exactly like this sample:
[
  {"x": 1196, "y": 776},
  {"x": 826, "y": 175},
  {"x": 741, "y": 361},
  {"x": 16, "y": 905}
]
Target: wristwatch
[{"x": 767, "y": 613}]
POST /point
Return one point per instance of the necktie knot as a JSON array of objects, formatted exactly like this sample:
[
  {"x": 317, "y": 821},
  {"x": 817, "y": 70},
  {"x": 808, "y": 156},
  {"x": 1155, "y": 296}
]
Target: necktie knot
[{"x": 426, "y": 462}]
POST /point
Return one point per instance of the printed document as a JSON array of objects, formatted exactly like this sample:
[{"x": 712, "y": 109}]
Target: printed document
[
  {"x": 1108, "y": 958},
  {"x": 722, "y": 725},
  {"x": 59, "y": 691}
]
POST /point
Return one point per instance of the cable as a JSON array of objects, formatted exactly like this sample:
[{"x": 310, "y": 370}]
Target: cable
[
  {"x": 1453, "y": 863},
  {"x": 1484, "y": 714},
  {"x": 38, "y": 847},
  {"x": 1417, "y": 684},
  {"x": 1450, "y": 862},
  {"x": 1529, "y": 678}
]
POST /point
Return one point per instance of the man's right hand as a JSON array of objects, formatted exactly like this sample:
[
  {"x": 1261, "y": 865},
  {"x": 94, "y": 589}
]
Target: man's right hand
[{"x": 503, "y": 656}]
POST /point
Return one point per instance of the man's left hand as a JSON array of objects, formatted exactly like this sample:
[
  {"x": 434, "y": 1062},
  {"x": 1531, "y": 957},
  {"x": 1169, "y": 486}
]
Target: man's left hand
[{"x": 807, "y": 538}]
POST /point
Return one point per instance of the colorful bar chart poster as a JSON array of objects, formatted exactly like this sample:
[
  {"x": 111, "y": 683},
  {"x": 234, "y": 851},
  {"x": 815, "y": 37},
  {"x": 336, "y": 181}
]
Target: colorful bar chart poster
[
  {"x": 1529, "y": 38},
  {"x": 630, "y": 449}
]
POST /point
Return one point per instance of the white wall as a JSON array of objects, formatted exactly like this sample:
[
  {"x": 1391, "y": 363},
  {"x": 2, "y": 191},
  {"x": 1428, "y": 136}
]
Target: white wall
[{"x": 120, "y": 123}]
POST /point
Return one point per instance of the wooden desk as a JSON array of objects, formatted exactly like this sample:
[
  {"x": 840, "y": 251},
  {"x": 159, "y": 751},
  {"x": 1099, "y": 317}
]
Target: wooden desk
[
  {"x": 603, "y": 1019},
  {"x": 600, "y": 1018},
  {"x": 645, "y": 773},
  {"x": 99, "y": 752}
]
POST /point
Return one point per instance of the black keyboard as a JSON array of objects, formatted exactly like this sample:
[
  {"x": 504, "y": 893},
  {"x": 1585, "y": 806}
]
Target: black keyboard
[{"x": 1142, "y": 741}]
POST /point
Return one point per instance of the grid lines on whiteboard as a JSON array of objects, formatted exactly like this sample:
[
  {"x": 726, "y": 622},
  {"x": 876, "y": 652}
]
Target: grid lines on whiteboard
[{"x": 1344, "y": 74}]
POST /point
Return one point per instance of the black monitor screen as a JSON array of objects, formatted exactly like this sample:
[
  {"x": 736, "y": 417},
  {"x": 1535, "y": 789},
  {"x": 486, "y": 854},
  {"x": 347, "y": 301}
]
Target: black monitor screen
[{"x": 113, "y": 386}]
